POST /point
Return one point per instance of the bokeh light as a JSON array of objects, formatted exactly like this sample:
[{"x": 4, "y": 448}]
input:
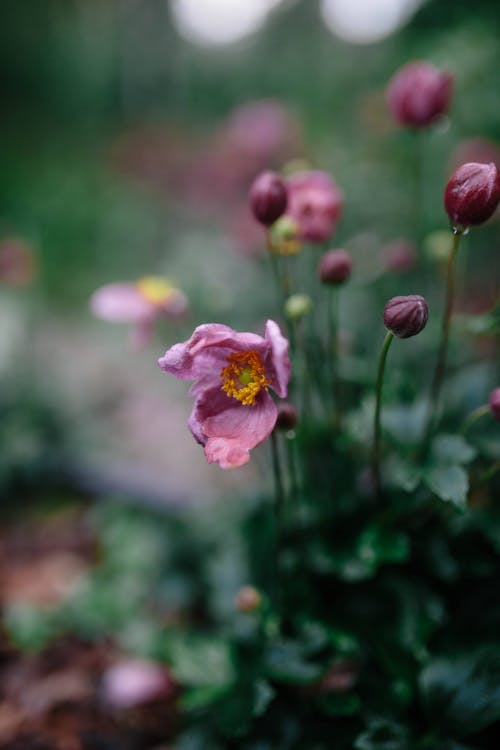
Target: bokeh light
[
  {"x": 366, "y": 21},
  {"x": 219, "y": 22}
]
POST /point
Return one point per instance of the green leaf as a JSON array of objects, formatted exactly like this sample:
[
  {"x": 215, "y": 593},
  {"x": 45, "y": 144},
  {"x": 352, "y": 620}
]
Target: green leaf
[
  {"x": 462, "y": 694},
  {"x": 403, "y": 475},
  {"x": 382, "y": 735},
  {"x": 449, "y": 483},
  {"x": 339, "y": 704},
  {"x": 286, "y": 661},
  {"x": 452, "y": 449},
  {"x": 198, "y": 660}
]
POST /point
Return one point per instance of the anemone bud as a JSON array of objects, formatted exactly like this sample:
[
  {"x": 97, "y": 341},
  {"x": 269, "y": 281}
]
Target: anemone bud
[
  {"x": 334, "y": 267},
  {"x": 494, "y": 402},
  {"x": 287, "y": 416},
  {"x": 406, "y": 316},
  {"x": 268, "y": 197},
  {"x": 248, "y": 599},
  {"x": 472, "y": 194},
  {"x": 418, "y": 94}
]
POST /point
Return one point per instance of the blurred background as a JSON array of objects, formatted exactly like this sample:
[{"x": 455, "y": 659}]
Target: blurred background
[{"x": 129, "y": 134}]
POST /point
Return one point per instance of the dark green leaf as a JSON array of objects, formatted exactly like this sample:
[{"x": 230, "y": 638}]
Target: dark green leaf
[
  {"x": 452, "y": 449},
  {"x": 449, "y": 483}
]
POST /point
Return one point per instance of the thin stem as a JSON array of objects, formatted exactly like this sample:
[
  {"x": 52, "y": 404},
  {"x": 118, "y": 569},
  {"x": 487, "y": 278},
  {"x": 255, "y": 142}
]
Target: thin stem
[
  {"x": 378, "y": 404},
  {"x": 279, "y": 501},
  {"x": 437, "y": 381},
  {"x": 418, "y": 196},
  {"x": 481, "y": 411},
  {"x": 333, "y": 349}
]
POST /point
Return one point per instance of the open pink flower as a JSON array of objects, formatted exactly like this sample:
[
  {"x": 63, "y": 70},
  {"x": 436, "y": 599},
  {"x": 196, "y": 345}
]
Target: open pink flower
[
  {"x": 314, "y": 203},
  {"x": 139, "y": 303},
  {"x": 233, "y": 411}
]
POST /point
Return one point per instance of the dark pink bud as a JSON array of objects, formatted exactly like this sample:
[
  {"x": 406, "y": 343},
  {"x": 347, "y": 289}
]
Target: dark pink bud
[
  {"x": 334, "y": 267},
  {"x": 495, "y": 403},
  {"x": 287, "y": 416},
  {"x": 268, "y": 197},
  {"x": 418, "y": 94},
  {"x": 472, "y": 194},
  {"x": 406, "y": 316}
]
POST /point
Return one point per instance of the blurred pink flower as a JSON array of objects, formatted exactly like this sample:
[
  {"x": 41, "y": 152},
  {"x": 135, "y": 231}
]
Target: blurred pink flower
[
  {"x": 140, "y": 303},
  {"x": 314, "y": 203},
  {"x": 233, "y": 411},
  {"x": 263, "y": 130},
  {"x": 134, "y": 682},
  {"x": 17, "y": 262},
  {"x": 399, "y": 256}
]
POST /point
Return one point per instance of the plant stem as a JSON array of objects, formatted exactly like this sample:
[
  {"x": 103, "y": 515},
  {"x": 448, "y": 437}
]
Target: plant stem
[
  {"x": 437, "y": 380},
  {"x": 378, "y": 403},
  {"x": 481, "y": 411},
  {"x": 279, "y": 501},
  {"x": 333, "y": 349}
]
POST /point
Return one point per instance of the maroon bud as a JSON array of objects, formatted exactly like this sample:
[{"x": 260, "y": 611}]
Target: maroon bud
[
  {"x": 287, "y": 416},
  {"x": 268, "y": 197},
  {"x": 406, "y": 316},
  {"x": 248, "y": 599},
  {"x": 472, "y": 194},
  {"x": 495, "y": 403},
  {"x": 419, "y": 94},
  {"x": 399, "y": 256},
  {"x": 334, "y": 267}
]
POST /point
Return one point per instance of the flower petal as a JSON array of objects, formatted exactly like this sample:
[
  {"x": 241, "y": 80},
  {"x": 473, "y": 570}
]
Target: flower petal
[
  {"x": 121, "y": 303},
  {"x": 278, "y": 359},
  {"x": 203, "y": 356},
  {"x": 227, "y": 429}
]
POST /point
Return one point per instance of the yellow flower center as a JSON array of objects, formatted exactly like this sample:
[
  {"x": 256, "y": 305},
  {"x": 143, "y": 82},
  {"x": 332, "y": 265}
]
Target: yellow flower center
[
  {"x": 244, "y": 376},
  {"x": 155, "y": 289}
]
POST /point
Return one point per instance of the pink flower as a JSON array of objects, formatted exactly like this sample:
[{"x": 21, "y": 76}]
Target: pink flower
[
  {"x": 314, "y": 203},
  {"x": 233, "y": 411},
  {"x": 139, "y": 303}
]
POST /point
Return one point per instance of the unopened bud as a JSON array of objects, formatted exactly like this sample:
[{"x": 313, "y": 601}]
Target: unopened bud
[
  {"x": 268, "y": 197},
  {"x": 494, "y": 402},
  {"x": 298, "y": 306},
  {"x": 283, "y": 237},
  {"x": 248, "y": 599},
  {"x": 335, "y": 267},
  {"x": 406, "y": 316},
  {"x": 419, "y": 94},
  {"x": 287, "y": 416},
  {"x": 472, "y": 194}
]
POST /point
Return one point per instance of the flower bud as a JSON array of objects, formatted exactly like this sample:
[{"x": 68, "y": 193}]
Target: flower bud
[
  {"x": 248, "y": 599},
  {"x": 334, "y": 267},
  {"x": 287, "y": 416},
  {"x": 472, "y": 194},
  {"x": 268, "y": 197},
  {"x": 406, "y": 316},
  {"x": 298, "y": 306},
  {"x": 283, "y": 237},
  {"x": 419, "y": 94},
  {"x": 494, "y": 402}
]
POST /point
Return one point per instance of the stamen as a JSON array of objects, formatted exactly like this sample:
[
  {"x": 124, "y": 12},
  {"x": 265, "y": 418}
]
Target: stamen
[
  {"x": 155, "y": 289},
  {"x": 244, "y": 377}
]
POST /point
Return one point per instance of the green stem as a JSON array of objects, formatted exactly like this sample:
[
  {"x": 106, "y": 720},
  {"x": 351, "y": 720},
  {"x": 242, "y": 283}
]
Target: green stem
[
  {"x": 279, "y": 502},
  {"x": 437, "y": 380},
  {"x": 481, "y": 411},
  {"x": 333, "y": 350},
  {"x": 378, "y": 404}
]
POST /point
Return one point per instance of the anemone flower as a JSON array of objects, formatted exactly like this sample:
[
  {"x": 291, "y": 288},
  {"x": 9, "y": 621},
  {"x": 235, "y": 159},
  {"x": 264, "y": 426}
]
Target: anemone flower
[
  {"x": 140, "y": 303},
  {"x": 314, "y": 203},
  {"x": 232, "y": 374}
]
